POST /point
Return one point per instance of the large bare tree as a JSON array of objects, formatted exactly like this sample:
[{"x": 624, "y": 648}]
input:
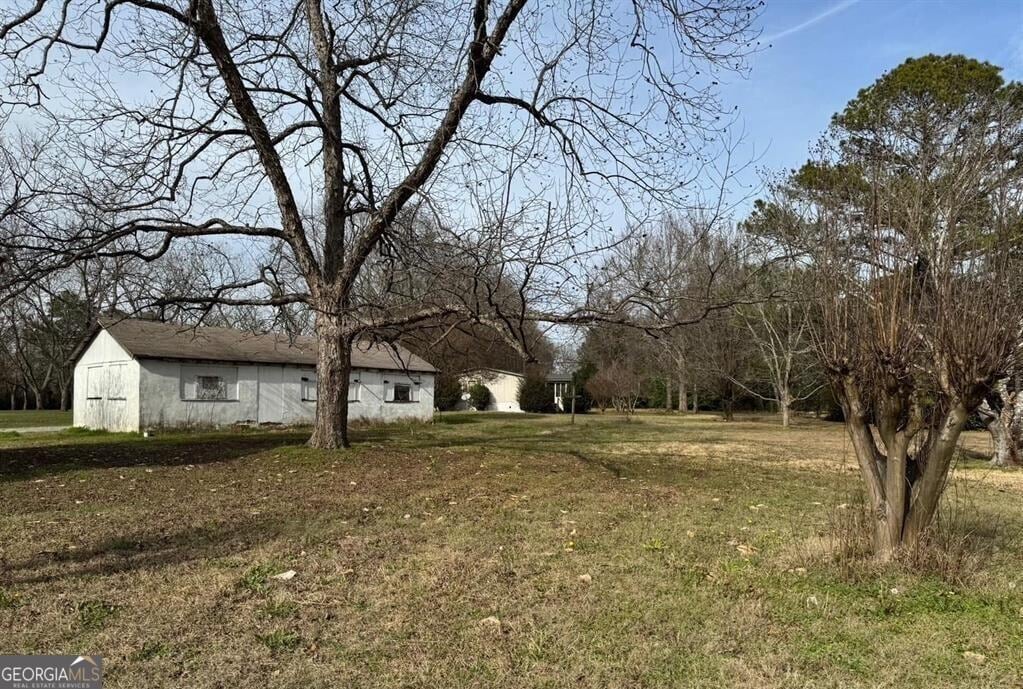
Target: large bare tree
[{"x": 320, "y": 132}]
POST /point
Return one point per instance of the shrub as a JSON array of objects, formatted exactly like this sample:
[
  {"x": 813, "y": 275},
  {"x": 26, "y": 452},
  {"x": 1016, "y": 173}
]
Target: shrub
[
  {"x": 479, "y": 396},
  {"x": 448, "y": 393},
  {"x": 657, "y": 394},
  {"x": 536, "y": 396},
  {"x": 583, "y": 399}
]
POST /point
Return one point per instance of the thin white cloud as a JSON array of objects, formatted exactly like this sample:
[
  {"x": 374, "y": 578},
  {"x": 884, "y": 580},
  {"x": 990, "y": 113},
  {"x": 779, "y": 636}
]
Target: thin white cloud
[{"x": 835, "y": 9}]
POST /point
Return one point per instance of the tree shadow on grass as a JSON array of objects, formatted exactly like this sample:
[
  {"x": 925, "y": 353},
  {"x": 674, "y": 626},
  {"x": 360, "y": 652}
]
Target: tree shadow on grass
[
  {"x": 613, "y": 468},
  {"x": 147, "y": 550},
  {"x": 22, "y": 463},
  {"x": 458, "y": 419},
  {"x": 557, "y": 439}
]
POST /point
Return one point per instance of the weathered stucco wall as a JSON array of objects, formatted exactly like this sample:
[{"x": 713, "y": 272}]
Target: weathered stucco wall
[
  {"x": 106, "y": 391},
  {"x": 270, "y": 394},
  {"x": 375, "y": 392},
  {"x": 282, "y": 397},
  {"x": 164, "y": 403}
]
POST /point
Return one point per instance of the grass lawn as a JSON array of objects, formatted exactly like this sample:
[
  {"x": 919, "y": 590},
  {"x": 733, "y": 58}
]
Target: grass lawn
[
  {"x": 33, "y": 418},
  {"x": 452, "y": 556}
]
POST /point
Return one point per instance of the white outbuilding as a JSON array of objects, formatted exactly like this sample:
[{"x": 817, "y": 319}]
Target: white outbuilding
[
  {"x": 503, "y": 386},
  {"x": 134, "y": 374}
]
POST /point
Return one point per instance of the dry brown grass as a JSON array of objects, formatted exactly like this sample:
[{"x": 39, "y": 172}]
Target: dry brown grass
[{"x": 158, "y": 554}]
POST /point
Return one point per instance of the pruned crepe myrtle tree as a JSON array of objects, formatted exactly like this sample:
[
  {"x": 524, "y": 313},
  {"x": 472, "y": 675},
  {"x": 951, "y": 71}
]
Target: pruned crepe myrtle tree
[
  {"x": 235, "y": 118},
  {"x": 910, "y": 219}
]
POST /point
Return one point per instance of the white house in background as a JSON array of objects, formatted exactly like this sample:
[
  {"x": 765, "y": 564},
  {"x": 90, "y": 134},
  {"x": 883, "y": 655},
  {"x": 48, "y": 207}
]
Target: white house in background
[
  {"x": 563, "y": 389},
  {"x": 503, "y": 386},
  {"x": 137, "y": 374}
]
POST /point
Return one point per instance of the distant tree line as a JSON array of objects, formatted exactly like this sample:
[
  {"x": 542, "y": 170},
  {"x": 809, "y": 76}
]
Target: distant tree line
[{"x": 755, "y": 355}]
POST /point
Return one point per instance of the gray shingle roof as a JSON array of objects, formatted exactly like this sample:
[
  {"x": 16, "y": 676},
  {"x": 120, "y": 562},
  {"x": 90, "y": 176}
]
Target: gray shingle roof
[
  {"x": 559, "y": 377},
  {"x": 487, "y": 369},
  {"x": 152, "y": 339}
]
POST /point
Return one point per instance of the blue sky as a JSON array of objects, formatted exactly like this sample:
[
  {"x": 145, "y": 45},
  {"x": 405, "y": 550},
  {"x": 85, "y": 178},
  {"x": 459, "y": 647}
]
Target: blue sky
[
  {"x": 817, "y": 54},
  {"x": 823, "y": 52}
]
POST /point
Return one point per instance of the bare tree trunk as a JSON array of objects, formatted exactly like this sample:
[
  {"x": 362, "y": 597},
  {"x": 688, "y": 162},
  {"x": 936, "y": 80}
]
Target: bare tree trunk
[
  {"x": 903, "y": 494},
  {"x": 1014, "y": 424},
  {"x": 696, "y": 401},
  {"x": 333, "y": 366},
  {"x": 38, "y": 395},
  {"x": 1001, "y": 447},
  {"x": 64, "y": 396},
  {"x": 871, "y": 464},
  {"x": 1005, "y": 423},
  {"x": 785, "y": 407},
  {"x": 1007, "y": 438},
  {"x": 667, "y": 395},
  {"x": 683, "y": 394},
  {"x": 928, "y": 487}
]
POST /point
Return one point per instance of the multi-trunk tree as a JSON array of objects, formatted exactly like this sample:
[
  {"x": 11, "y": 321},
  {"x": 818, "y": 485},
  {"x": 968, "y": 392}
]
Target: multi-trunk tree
[
  {"x": 325, "y": 137},
  {"x": 910, "y": 221}
]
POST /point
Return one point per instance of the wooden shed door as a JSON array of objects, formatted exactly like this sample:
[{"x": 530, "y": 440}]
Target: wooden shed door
[{"x": 270, "y": 407}]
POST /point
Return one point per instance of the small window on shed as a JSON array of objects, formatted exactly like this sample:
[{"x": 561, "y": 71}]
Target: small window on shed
[
  {"x": 402, "y": 392},
  {"x": 94, "y": 382},
  {"x": 205, "y": 383},
  {"x": 210, "y": 388},
  {"x": 309, "y": 388}
]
